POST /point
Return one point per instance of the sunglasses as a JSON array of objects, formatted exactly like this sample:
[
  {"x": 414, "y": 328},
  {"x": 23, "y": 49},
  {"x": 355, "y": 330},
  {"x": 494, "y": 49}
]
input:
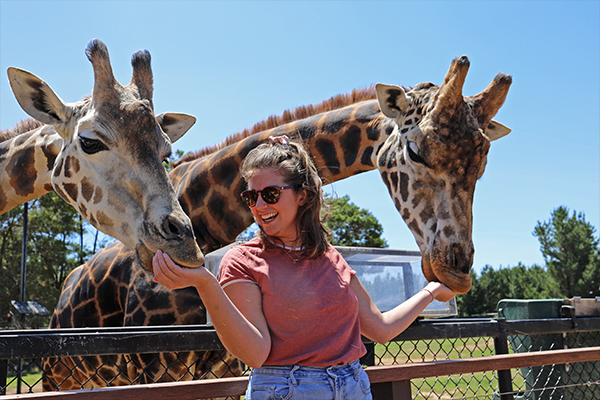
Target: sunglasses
[{"x": 270, "y": 195}]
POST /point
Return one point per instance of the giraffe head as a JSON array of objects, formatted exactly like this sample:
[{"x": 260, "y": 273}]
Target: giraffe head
[
  {"x": 432, "y": 162},
  {"x": 110, "y": 165}
]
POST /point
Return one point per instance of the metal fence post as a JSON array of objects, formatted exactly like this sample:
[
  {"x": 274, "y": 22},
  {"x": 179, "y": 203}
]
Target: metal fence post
[
  {"x": 501, "y": 347},
  {"x": 391, "y": 390},
  {"x": 3, "y": 376}
]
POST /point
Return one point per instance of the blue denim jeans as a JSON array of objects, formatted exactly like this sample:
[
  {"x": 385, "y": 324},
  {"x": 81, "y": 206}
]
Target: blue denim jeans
[{"x": 295, "y": 382}]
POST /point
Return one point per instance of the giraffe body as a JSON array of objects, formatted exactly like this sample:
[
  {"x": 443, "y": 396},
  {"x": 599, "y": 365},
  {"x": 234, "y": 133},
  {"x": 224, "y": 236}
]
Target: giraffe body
[
  {"x": 401, "y": 141},
  {"x": 103, "y": 155}
]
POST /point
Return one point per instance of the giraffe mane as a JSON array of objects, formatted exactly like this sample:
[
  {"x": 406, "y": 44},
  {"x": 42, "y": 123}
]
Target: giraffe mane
[
  {"x": 302, "y": 112},
  {"x": 25, "y": 125}
]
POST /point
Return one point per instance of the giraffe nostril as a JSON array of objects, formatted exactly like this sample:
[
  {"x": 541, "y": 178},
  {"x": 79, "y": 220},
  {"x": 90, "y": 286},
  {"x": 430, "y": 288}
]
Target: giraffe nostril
[
  {"x": 458, "y": 260},
  {"x": 173, "y": 228}
]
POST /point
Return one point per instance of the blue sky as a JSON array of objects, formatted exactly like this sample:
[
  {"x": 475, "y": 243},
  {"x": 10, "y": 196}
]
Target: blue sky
[{"x": 232, "y": 64}]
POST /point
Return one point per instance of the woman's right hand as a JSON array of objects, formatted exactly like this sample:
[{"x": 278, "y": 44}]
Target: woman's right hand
[{"x": 172, "y": 276}]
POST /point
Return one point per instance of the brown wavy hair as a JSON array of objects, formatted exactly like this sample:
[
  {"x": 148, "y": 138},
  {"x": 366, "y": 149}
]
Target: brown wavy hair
[{"x": 294, "y": 163}]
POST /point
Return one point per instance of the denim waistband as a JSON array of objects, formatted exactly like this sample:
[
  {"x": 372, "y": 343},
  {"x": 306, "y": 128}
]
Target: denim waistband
[{"x": 353, "y": 367}]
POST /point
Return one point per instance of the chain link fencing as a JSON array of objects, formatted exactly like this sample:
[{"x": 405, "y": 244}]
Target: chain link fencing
[{"x": 120, "y": 357}]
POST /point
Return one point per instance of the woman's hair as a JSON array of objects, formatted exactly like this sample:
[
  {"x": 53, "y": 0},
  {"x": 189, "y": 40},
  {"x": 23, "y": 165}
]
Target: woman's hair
[{"x": 293, "y": 162}]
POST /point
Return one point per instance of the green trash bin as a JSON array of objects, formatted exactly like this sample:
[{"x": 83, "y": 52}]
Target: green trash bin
[
  {"x": 539, "y": 381},
  {"x": 575, "y": 376}
]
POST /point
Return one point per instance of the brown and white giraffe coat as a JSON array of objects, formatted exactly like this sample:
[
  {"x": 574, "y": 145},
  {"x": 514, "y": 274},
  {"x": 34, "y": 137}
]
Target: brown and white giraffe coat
[
  {"x": 103, "y": 155},
  {"x": 429, "y": 158}
]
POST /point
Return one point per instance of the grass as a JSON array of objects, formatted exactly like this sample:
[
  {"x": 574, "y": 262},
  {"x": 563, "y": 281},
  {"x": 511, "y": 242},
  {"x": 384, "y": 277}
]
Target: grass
[
  {"x": 481, "y": 385},
  {"x": 31, "y": 380}
]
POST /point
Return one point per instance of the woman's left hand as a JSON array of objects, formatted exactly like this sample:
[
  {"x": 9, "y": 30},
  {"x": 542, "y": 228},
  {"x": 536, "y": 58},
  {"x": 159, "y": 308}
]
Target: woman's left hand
[{"x": 440, "y": 291}]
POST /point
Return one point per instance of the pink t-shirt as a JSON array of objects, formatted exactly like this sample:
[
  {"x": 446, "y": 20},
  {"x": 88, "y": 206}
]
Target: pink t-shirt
[{"x": 311, "y": 310}]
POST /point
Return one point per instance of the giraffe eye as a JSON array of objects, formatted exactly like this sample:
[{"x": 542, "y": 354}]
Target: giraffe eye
[
  {"x": 91, "y": 146},
  {"x": 413, "y": 153}
]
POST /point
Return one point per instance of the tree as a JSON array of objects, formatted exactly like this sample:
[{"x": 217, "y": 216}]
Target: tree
[
  {"x": 352, "y": 225},
  {"x": 54, "y": 248},
  {"x": 493, "y": 285},
  {"x": 571, "y": 252}
]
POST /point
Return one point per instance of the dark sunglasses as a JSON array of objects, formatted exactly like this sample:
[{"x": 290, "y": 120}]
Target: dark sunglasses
[{"x": 270, "y": 195}]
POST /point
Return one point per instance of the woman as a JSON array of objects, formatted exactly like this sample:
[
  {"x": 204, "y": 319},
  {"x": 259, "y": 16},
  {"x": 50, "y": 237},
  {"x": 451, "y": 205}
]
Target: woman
[{"x": 286, "y": 303}]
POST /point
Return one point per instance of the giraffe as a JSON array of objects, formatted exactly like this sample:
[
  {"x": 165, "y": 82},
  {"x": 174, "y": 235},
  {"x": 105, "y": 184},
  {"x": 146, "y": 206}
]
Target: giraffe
[
  {"x": 346, "y": 136},
  {"x": 103, "y": 155}
]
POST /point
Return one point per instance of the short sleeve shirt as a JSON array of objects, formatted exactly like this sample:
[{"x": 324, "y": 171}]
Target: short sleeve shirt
[{"x": 309, "y": 306}]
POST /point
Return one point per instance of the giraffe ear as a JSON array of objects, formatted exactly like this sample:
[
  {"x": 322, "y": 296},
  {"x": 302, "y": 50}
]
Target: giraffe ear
[
  {"x": 37, "y": 98},
  {"x": 496, "y": 130},
  {"x": 392, "y": 100},
  {"x": 175, "y": 125}
]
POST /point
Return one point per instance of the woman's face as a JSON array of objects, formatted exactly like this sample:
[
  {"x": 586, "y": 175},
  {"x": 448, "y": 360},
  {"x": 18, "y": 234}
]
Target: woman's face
[{"x": 276, "y": 220}]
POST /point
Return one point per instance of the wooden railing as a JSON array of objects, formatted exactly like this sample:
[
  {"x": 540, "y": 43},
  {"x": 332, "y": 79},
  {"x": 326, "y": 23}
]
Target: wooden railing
[{"x": 387, "y": 382}]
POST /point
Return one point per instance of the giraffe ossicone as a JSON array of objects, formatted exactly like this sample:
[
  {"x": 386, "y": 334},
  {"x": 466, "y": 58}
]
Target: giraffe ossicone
[{"x": 104, "y": 156}]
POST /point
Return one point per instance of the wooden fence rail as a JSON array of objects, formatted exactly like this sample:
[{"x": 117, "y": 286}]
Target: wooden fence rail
[{"x": 388, "y": 382}]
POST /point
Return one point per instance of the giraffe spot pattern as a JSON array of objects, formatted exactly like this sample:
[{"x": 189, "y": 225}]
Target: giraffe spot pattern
[
  {"x": 22, "y": 172},
  {"x": 104, "y": 219},
  {"x": 336, "y": 120},
  {"x": 215, "y": 205},
  {"x": 71, "y": 190},
  {"x": 227, "y": 170},
  {"x": 326, "y": 150},
  {"x": 448, "y": 231},
  {"x": 58, "y": 168},
  {"x": 404, "y": 186},
  {"x": 394, "y": 179},
  {"x": 97, "y": 194},
  {"x": 87, "y": 189},
  {"x": 364, "y": 114},
  {"x": 350, "y": 144},
  {"x": 367, "y": 155},
  {"x": 426, "y": 214},
  {"x": 392, "y": 160},
  {"x": 62, "y": 194},
  {"x": 83, "y": 210},
  {"x": 414, "y": 227}
]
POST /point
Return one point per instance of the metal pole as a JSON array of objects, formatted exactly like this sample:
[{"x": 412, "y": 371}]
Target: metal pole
[
  {"x": 24, "y": 253},
  {"x": 504, "y": 376},
  {"x": 23, "y": 284}
]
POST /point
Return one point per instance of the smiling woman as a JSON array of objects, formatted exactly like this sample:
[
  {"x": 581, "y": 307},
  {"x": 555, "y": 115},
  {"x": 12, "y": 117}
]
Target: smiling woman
[{"x": 286, "y": 303}]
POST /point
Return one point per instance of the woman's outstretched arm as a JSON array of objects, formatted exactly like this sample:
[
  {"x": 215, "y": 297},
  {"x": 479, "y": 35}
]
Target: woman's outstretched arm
[
  {"x": 236, "y": 313},
  {"x": 383, "y": 327}
]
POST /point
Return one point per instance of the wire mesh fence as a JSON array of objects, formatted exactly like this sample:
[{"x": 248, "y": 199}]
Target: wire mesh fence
[{"x": 33, "y": 361}]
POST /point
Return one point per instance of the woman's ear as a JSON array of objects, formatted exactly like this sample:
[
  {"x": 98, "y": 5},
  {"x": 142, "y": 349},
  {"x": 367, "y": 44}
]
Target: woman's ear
[{"x": 303, "y": 199}]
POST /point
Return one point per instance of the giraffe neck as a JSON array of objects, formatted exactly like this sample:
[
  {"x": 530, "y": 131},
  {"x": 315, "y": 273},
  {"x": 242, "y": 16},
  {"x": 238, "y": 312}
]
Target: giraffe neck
[
  {"x": 27, "y": 161},
  {"x": 342, "y": 142}
]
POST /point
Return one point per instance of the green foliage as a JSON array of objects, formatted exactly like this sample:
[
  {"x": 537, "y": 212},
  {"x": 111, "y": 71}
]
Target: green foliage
[
  {"x": 168, "y": 163},
  {"x": 493, "y": 285},
  {"x": 572, "y": 256},
  {"x": 54, "y": 248},
  {"x": 571, "y": 253},
  {"x": 352, "y": 225}
]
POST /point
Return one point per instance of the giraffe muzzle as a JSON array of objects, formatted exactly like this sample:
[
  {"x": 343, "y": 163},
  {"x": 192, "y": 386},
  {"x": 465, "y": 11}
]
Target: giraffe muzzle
[{"x": 452, "y": 269}]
